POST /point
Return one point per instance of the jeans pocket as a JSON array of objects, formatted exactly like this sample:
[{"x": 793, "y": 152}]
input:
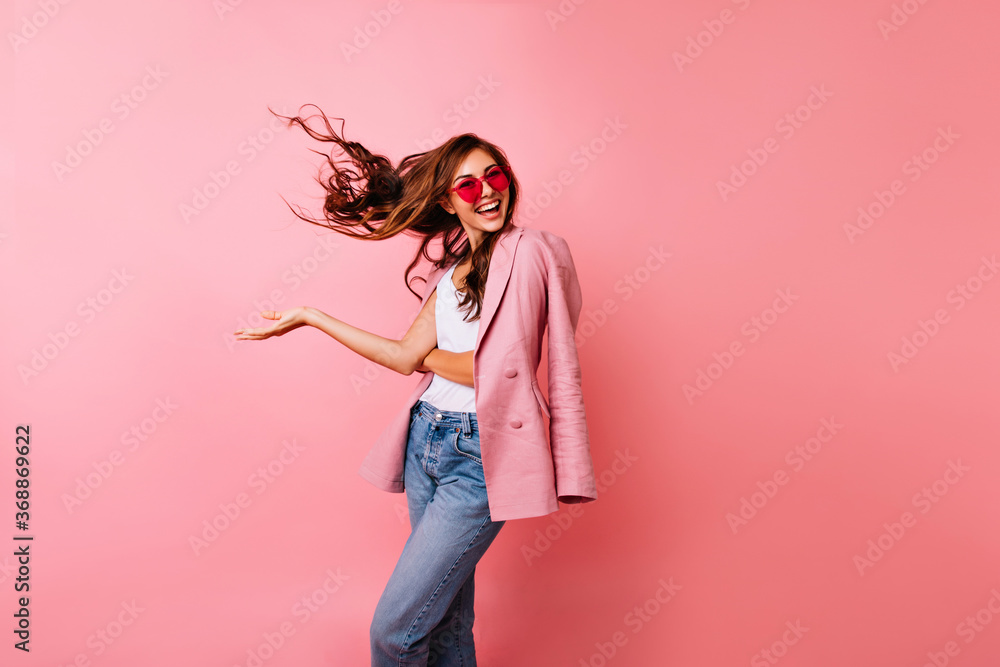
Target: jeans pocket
[{"x": 468, "y": 445}]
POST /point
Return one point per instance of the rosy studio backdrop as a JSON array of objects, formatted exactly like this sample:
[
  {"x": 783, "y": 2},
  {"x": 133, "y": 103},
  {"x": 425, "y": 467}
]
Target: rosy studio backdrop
[{"x": 784, "y": 219}]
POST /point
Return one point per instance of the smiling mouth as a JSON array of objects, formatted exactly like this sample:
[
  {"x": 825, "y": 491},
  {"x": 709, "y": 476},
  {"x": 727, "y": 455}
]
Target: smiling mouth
[{"x": 489, "y": 208}]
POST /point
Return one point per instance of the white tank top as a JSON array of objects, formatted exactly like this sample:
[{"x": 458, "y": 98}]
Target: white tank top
[{"x": 453, "y": 335}]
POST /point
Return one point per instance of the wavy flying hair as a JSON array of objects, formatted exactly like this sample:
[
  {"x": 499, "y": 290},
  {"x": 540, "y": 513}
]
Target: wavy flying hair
[{"x": 368, "y": 198}]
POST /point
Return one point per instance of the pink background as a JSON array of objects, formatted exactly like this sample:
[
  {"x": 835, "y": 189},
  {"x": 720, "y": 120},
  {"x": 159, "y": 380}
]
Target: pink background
[{"x": 676, "y": 470}]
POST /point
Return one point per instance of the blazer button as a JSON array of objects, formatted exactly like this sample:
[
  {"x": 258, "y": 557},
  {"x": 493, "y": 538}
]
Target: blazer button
[
  {"x": 510, "y": 372},
  {"x": 515, "y": 423}
]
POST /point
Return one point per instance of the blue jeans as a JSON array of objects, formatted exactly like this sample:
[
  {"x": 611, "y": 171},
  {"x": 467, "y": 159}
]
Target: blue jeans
[{"x": 425, "y": 614}]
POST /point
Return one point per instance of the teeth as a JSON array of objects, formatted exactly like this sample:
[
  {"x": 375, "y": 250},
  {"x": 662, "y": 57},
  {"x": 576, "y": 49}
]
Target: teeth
[{"x": 492, "y": 207}]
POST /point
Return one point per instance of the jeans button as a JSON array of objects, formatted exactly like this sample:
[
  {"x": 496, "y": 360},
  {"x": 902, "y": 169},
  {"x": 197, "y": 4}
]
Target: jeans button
[{"x": 438, "y": 416}]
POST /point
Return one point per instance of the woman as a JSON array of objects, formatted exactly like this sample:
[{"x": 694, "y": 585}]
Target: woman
[{"x": 470, "y": 448}]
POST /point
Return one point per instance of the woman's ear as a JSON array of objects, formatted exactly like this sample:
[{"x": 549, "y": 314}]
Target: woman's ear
[{"x": 446, "y": 205}]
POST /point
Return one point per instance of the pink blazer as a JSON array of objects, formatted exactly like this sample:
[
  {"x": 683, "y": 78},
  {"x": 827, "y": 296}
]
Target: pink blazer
[{"x": 534, "y": 452}]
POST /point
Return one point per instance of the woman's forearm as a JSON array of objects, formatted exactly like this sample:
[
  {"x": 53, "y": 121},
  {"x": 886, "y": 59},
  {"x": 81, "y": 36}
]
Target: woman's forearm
[
  {"x": 389, "y": 353},
  {"x": 454, "y": 366}
]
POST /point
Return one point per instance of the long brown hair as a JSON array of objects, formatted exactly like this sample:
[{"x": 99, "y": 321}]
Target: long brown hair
[{"x": 370, "y": 199}]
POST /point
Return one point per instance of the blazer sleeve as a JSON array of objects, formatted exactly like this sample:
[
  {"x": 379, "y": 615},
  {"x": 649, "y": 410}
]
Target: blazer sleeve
[{"x": 568, "y": 436}]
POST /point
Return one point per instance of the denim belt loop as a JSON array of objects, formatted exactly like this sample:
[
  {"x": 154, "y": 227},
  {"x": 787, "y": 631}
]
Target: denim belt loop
[{"x": 466, "y": 425}]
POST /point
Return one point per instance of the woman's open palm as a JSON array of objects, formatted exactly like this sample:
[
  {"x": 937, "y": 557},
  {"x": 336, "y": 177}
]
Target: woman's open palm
[{"x": 291, "y": 318}]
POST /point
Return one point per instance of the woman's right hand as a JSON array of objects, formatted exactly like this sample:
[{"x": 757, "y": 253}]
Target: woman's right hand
[{"x": 288, "y": 319}]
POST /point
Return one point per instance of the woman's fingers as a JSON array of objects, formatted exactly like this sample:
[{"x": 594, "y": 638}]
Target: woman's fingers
[{"x": 246, "y": 334}]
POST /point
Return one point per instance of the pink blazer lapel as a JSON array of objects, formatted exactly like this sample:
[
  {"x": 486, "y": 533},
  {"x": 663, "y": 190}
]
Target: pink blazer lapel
[{"x": 496, "y": 282}]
